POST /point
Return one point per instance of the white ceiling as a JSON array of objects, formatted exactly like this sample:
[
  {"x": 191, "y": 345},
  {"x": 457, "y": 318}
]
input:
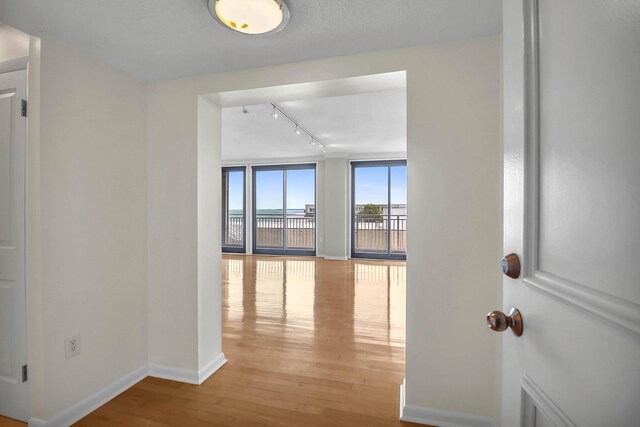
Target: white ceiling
[
  {"x": 366, "y": 123},
  {"x": 166, "y": 39}
]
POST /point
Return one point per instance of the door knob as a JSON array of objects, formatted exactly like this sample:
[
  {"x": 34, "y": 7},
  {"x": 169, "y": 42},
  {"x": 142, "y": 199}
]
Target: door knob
[{"x": 499, "y": 322}]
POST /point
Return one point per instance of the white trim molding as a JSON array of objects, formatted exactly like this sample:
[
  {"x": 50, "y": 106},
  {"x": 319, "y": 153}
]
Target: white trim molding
[
  {"x": 534, "y": 395},
  {"x": 439, "y": 417},
  {"x": 14, "y": 64},
  {"x": 336, "y": 258},
  {"x": 93, "y": 402},
  {"x": 190, "y": 376},
  {"x": 211, "y": 367}
]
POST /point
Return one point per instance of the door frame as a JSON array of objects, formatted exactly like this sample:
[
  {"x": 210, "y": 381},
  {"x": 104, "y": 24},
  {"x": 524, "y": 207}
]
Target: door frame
[
  {"x": 15, "y": 67},
  {"x": 230, "y": 248},
  {"x": 284, "y": 168},
  {"x": 373, "y": 163}
]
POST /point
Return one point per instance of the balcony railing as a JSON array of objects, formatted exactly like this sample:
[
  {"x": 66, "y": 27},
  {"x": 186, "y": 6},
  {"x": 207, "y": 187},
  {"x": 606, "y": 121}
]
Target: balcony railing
[
  {"x": 234, "y": 232},
  {"x": 301, "y": 231},
  {"x": 371, "y": 233}
]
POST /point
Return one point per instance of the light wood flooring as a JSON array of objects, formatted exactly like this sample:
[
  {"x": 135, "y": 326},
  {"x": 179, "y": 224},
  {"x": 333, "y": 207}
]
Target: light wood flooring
[{"x": 309, "y": 342}]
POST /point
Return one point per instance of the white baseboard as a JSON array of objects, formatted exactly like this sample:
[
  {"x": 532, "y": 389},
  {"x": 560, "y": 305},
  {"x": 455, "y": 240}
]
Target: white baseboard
[
  {"x": 91, "y": 403},
  {"x": 440, "y": 417},
  {"x": 174, "y": 374},
  {"x": 190, "y": 376},
  {"x": 336, "y": 258},
  {"x": 211, "y": 367}
]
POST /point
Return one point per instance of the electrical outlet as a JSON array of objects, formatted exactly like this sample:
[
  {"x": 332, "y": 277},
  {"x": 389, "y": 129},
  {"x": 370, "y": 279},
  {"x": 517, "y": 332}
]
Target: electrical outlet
[{"x": 71, "y": 346}]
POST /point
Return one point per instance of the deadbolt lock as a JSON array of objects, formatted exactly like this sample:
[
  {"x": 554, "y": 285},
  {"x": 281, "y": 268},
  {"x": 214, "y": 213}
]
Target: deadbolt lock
[{"x": 511, "y": 266}]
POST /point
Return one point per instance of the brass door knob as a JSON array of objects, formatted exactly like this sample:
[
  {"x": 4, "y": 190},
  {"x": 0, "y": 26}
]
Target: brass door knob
[{"x": 499, "y": 322}]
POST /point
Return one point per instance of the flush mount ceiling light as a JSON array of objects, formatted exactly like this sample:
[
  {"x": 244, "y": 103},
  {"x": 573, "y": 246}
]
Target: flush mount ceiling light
[{"x": 251, "y": 17}]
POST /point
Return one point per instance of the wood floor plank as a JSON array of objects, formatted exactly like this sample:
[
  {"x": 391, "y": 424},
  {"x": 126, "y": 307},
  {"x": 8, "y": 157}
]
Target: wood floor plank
[{"x": 310, "y": 342}]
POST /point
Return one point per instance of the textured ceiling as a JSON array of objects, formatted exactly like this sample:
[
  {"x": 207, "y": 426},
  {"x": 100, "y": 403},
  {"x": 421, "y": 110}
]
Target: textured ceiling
[
  {"x": 366, "y": 123},
  {"x": 166, "y": 39}
]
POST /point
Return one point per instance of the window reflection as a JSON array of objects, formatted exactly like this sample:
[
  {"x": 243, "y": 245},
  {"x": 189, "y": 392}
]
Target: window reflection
[
  {"x": 380, "y": 299},
  {"x": 300, "y": 284},
  {"x": 233, "y": 289}
]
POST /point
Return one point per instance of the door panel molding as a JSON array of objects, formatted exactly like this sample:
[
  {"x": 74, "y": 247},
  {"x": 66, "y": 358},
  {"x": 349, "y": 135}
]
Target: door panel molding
[
  {"x": 535, "y": 399},
  {"x": 613, "y": 310}
]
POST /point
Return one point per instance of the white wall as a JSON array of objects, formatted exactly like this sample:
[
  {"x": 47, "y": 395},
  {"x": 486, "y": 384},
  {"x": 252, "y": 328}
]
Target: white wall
[
  {"x": 455, "y": 192},
  {"x": 13, "y": 43},
  {"x": 87, "y": 186},
  {"x": 454, "y": 187},
  {"x": 336, "y": 208},
  {"x": 209, "y": 237}
]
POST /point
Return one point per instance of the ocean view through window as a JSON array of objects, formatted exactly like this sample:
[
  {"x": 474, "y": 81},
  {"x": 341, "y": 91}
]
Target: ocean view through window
[{"x": 282, "y": 221}]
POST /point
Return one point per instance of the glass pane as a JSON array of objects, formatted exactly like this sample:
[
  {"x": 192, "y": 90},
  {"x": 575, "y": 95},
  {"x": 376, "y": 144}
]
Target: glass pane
[
  {"x": 398, "y": 224},
  {"x": 233, "y": 208},
  {"x": 371, "y": 197},
  {"x": 301, "y": 209},
  {"x": 269, "y": 214}
]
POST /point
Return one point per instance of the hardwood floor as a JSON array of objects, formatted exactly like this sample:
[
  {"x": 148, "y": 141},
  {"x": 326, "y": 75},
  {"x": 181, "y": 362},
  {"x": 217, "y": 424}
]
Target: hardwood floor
[
  {"x": 310, "y": 342},
  {"x": 8, "y": 422}
]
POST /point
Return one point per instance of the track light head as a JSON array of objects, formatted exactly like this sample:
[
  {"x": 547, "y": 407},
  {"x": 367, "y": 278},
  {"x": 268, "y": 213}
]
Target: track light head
[{"x": 298, "y": 130}]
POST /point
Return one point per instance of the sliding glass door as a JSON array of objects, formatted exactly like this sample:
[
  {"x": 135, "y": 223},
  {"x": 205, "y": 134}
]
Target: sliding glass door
[
  {"x": 284, "y": 216},
  {"x": 233, "y": 209},
  {"x": 379, "y": 209}
]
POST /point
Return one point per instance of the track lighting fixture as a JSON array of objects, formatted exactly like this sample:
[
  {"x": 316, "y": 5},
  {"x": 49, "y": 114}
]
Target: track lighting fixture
[{"x": 313, "y": 141}]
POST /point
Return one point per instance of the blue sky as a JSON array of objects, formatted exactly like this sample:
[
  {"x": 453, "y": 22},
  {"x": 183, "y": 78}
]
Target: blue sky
[
  {"x": 371, "y": 187},
  {"x": 235, "y": 190},
  {"x": 300, "y": 189},
  {"x": 372, "y": 184}
]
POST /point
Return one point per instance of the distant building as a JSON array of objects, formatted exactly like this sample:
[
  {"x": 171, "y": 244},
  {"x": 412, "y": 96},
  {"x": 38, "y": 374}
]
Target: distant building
[
  {"x": 396, "y": 209},
  {"x": 309, "y": 210}
]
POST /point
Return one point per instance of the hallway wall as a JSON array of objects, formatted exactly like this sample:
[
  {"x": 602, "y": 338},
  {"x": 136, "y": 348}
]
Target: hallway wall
[{"x": 87, "y": 235}]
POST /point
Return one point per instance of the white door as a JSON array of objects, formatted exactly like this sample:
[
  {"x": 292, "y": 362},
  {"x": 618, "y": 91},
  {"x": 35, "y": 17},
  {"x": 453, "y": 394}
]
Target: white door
[
  {"x": 14, "y": 399},
  {"x": 572, "y": 212}
]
